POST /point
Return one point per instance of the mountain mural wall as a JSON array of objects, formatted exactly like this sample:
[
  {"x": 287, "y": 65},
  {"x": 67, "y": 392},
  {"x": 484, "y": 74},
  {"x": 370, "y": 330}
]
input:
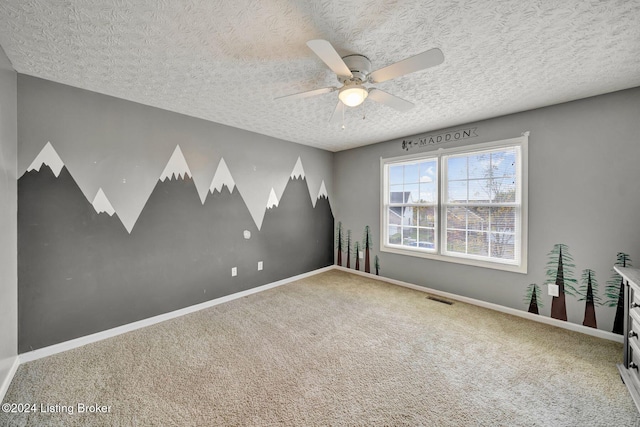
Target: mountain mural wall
[{"x": 81, "y": 271}]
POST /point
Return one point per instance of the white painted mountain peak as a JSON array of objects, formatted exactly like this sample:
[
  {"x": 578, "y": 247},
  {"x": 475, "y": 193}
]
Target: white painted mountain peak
[
  {"x": 323, "y": 191},
  {"x": 176, "y": 166},
  {"x": 102, "y": 204},
  {"x": 47, "y": 156},
  {"x": 298, "y": 171},
  {"x": 273, "y": 200},
  {"x": 222, "y": 177}
]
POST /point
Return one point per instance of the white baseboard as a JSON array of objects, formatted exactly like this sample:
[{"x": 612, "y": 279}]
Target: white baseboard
[
  {"x": 6, "y": 382},
  {"x": 508, "y": 310},
  {"x": 99, "y": 336}
]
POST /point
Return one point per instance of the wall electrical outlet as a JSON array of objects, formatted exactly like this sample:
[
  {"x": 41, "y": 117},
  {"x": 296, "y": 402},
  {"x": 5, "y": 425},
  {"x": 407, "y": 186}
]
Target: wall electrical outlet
[
  {"x": 361, "y": 253},
  {"x": 259, "y": 265},
  {"x": 554, "y": 290},
  {"x": 234, "y": 271}
]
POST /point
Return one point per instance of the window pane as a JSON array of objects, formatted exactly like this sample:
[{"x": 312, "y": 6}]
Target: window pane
[
  {"x": 457, "y": 192},
  {"x": 503, "y": 219},
  {"x": 409, "y": 216},
  {"x": 426, "y": 216},
  {"x": 396, "y": 194},
  {"x": 504, "y": 163},
  {"x": 480, "y": 191},
  {"x": 428, "y": 171},
  {"x": 478, "y": 243},
  {"x": 398, "y": 215},
  {"x": 480, "y": 166},
  {"x": 414, "y": 216},
  {"x": 503, "y": 190},
  {"x": 396, "y": 175},
  {"x": 456, "y": 168},
  {"x": 412, "y": 193},
  {"x": 410, "y": 236},
  {"x": 428, "y": 192},
  {"x": 457, "y": 217},
  {"x": 478, "y": 218},
  {"x": 395, "y": 238},
  {"x": 394, "y": 215},
  {"x": 426, "y": 238},
  {"x": 457, "y": 241},
  {"x": 412, "y": 173},
  {"x": 503, "y": 246}
]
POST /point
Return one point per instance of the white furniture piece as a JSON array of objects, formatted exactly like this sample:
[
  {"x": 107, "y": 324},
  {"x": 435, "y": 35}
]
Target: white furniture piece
[{"x": 630, "y": 367}]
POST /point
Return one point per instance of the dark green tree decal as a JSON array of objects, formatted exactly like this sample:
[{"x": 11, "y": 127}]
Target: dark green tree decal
[
  {"x": 366, "y": 242},
  {"x": 348, "y": 248},
  {"x": 376, "y": 263},
  {"x": 532, "y": 297},
  {"x": 339, "y": 242},
  {"x": 356, "y": 254},
  {"x": 560, "y": 271},
  {"x": 615, "y": 292},
  {"x": 589, "y": 293}
]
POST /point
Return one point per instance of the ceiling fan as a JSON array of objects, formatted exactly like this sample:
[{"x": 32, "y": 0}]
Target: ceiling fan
[{"x": 353, "y": 71}]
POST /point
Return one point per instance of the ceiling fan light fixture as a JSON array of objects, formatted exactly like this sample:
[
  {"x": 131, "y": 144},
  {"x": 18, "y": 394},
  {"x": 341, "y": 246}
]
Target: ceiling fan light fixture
[{"x": 353, "y": 95}]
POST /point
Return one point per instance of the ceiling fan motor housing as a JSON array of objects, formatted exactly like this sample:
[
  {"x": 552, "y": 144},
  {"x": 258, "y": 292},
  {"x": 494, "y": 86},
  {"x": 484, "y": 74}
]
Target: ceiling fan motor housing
[{"x": 360, "y": 67}]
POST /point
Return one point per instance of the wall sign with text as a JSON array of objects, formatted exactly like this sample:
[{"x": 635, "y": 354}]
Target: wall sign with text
[{"x": 442, "y": 138}]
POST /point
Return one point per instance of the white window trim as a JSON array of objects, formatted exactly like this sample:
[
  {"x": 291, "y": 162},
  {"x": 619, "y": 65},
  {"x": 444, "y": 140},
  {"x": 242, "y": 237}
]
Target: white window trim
[{"x": 523, "y": 142}]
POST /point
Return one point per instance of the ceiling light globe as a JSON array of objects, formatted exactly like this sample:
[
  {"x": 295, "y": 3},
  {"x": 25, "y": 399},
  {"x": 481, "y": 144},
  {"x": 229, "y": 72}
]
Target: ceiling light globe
[{"x": 352, "y": 96}]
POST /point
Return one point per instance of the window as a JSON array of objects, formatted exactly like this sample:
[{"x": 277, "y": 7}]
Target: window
[{"x": 465, "y": 205}]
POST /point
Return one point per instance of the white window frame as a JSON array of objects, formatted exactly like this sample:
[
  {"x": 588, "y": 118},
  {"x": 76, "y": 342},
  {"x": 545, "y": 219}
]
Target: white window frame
[{"x": 440, "y": 253}]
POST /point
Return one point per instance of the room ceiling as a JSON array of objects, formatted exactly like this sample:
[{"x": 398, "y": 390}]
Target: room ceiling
[{"x": 226, "y": 61}]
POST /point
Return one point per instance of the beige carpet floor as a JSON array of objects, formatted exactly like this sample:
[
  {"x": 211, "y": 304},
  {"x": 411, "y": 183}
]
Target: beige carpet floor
[{"x": 334, "y": 349}]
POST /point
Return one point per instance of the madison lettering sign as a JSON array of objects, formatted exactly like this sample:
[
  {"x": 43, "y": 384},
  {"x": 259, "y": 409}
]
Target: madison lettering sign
[{"x": 442, "y": 138}]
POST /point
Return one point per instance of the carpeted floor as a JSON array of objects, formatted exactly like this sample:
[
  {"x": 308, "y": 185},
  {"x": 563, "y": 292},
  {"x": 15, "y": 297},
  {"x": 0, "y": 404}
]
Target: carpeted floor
[{"x": 334, "y": 349}]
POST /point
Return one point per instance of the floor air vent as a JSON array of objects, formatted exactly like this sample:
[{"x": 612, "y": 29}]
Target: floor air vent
[{"x": 444, "y": 301}]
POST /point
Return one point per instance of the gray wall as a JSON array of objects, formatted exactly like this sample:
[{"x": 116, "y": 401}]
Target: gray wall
[
  {"x": 172, "y": 242},
  {"x": 583, "y": 192},
  {"x": 8, "y": 228}
]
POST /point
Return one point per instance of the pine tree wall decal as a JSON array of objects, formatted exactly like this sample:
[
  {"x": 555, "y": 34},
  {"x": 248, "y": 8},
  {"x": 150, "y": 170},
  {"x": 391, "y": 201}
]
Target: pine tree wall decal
[
  {"x": 532, "y": 297},
  {"x": 560, "y": 271},
  {"x": 615, "y": 292},
  {"x": 356, "y": 254},
  {"x": 377, "y": 265},
  {"x": 339, "y": 242},
  {"x": 589, "y": 294},
  {"x": 367, "y": 247},
  {"x": 348, "y": 248}
]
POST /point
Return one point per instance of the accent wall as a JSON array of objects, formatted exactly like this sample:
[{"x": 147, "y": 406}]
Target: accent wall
[
  {"x": 127, "y": 211},
  {"x": 583, "y": 197}
]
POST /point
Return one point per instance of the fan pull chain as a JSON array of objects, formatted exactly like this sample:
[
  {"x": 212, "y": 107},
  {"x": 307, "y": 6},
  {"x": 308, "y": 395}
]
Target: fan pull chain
[{"x": 343, "y": 117}]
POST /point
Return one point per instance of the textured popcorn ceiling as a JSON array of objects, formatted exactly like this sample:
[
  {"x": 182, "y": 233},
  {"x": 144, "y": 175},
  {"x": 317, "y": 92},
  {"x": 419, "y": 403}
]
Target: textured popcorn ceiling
[{"x": 226, "y": 61}]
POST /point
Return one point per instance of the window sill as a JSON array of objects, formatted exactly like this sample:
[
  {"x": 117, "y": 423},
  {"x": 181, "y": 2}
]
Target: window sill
[{"x": 514, "y": 268}]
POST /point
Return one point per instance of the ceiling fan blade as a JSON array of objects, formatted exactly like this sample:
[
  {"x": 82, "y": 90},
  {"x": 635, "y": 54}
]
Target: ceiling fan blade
[
  {"x": 329, "y": 56},
  {"x": 389, "y": 100},
  {"x": 418, "y": 62},
  {"x": 336, "y": 117},
  {"x": 309, "y": 93}
]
